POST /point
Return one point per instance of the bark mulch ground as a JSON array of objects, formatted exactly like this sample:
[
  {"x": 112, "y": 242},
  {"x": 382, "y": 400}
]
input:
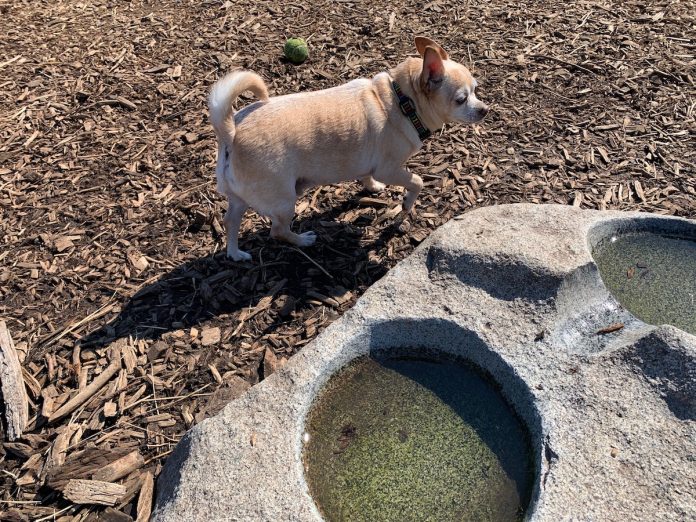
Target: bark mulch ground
[{"x": 111, "y": 267}]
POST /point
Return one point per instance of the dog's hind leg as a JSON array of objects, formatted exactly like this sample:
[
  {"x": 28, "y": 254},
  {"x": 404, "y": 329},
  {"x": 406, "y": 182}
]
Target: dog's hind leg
[
  {"x": 371, "y": 184},
  {"x": 280, "y": 227},
  {"x": 301, "y": 185},
  {"x": 233, "y": 220}
]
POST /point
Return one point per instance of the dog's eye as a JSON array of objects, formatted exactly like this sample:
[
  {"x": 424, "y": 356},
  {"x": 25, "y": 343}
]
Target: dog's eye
[{"x": 461, "y": 100}]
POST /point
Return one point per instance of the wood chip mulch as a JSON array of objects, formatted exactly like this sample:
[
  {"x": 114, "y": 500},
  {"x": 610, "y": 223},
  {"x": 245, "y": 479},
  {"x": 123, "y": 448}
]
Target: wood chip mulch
[{"x": 130, "y": 324}]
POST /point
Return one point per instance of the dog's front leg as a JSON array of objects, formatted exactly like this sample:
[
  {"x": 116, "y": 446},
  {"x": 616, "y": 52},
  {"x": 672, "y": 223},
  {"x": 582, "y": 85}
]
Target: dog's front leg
[{"x": 411, "y": 182}]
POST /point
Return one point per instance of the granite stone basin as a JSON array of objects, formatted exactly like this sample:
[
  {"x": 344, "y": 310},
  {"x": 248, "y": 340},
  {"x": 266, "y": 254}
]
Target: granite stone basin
[
  {"x": 421, "y": 433},
  {"x": 650, "y": 267},
  {"x": 607, "y": 399}
]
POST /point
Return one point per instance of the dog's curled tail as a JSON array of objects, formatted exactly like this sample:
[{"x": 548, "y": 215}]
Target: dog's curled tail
[{"x": 224, "y": 92}]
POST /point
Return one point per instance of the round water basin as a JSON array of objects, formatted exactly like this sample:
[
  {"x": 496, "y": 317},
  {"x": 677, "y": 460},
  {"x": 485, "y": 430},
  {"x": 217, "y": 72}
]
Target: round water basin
[
  {"x": 403, "y": 439},
  {"x": 652, "y": 275}
]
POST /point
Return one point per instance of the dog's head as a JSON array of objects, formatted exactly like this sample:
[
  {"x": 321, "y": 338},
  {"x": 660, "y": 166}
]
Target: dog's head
[{"x": 448, "y": 85}]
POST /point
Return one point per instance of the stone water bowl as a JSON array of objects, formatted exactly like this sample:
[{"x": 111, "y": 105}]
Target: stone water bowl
[
  {"x": 649, "y": 265},
  {"x": 595, "y": 405},
  {"x": 418, "y": 431}
]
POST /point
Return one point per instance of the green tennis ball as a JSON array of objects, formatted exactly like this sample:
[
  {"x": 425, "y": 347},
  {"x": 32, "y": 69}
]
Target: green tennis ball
[{"x": 296, "y": 50}]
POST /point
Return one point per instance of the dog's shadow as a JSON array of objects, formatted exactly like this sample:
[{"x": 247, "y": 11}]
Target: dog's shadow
[{"x": 214, "y": 286}]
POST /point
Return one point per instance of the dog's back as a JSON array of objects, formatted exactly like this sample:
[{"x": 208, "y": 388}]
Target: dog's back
[{"x": 316, "y": 135}]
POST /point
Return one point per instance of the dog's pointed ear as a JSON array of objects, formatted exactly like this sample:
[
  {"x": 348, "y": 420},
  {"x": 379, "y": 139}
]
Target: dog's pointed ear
[
  {"x": 433, "y": 70},
  {"x": 422, "y": 43}
]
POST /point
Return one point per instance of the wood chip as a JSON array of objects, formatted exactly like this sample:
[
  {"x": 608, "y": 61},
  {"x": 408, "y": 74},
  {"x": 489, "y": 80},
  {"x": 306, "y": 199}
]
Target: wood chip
[
  {"x": 210, "y": 336},
  {"x": 373, "y": 202},
  {"x": 271, "y": 362},
  {"x": 639, "y": 190},
  {"x": 112, "y": 515},
  {"x": 14, "y": 395},
  {"x": 59, "y": 448},
  {"x": 264, "y": 303},
  {"x": 93, "y": 492},
  {"x": 615, "y": 327},
  {"x": 83, "y": 464},
  {"x": 388, "y": 214},
  {"x": 88, "y": 391},
  {"x": 109, "y": 409},
  {"x": 120, "y": 468},
  {"x": 62, "y": 244},
  {"x": 145, "y": 499}
]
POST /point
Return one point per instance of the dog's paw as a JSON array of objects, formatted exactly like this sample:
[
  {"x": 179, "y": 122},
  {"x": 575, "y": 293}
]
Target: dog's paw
[
  {"x": 409, "y": 207},
  {"x": 239, "y": 255},
  {"x": 306, "y": 239},
  {"x": 375, "y": 186},
  {"x": 371, "y": 184}
]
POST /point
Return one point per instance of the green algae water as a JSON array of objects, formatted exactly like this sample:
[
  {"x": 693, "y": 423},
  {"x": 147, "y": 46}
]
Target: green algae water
[
  {"x": 410, "y": 440},
  {"x": 652, "y": 276}
]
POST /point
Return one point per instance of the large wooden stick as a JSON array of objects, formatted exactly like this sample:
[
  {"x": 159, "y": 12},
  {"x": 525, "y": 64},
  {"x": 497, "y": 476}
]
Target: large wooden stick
[
  {"x": 88, "y": 391},
  {"x": 93, "y": 492},
  {"x": 14, "y": 394},
  {"x": 145, "y": 498},
  {"x": 120, "y": 468}
]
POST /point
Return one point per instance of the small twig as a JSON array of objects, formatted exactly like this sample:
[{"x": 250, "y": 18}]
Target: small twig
[
  {"x": 176, "y": 398},
  {"x": 11, "y": 60},
  {"x": 149, "y": 411},
  {"x": 152, "y": 446},
  {"x": 154, "y": 388},
  {"x": 118, "y": 101},
  {"x": 556, "y": 93},
  {"x": 88, "y": 390},
  {"x": 610, "y": 329},
  {"x": 53, "y": 338},
  {"x": 569, "y": 64},
  {"x": 136, "y": 427},
  {"x": 312, "y": 261},
  {"x": 159, "y": 456},
  {"x": 54, "y": 515},
  {"x": 15, "y": 477}
]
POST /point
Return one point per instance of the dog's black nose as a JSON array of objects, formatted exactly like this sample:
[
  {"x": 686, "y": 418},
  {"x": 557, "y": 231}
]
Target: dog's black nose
[{"x": 482, "y": 111}]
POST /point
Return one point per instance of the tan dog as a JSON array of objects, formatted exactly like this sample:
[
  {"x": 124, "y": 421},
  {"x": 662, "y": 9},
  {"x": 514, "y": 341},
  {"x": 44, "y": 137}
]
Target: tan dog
[{"x": 272, "y": 150}]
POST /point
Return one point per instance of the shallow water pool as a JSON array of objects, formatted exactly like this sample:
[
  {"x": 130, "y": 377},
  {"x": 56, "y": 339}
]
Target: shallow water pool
[
  {"x": 401, "y": 440},
  {"x": 652, "y": 276}
]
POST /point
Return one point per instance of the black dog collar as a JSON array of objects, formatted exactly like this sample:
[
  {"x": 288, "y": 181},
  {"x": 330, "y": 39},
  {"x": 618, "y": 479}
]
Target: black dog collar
[{"x": 409, "y": 109}]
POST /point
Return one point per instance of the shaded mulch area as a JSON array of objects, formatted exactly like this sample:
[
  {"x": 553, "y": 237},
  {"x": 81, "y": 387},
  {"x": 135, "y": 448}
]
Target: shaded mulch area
[{"x": 111, "y": 228}]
